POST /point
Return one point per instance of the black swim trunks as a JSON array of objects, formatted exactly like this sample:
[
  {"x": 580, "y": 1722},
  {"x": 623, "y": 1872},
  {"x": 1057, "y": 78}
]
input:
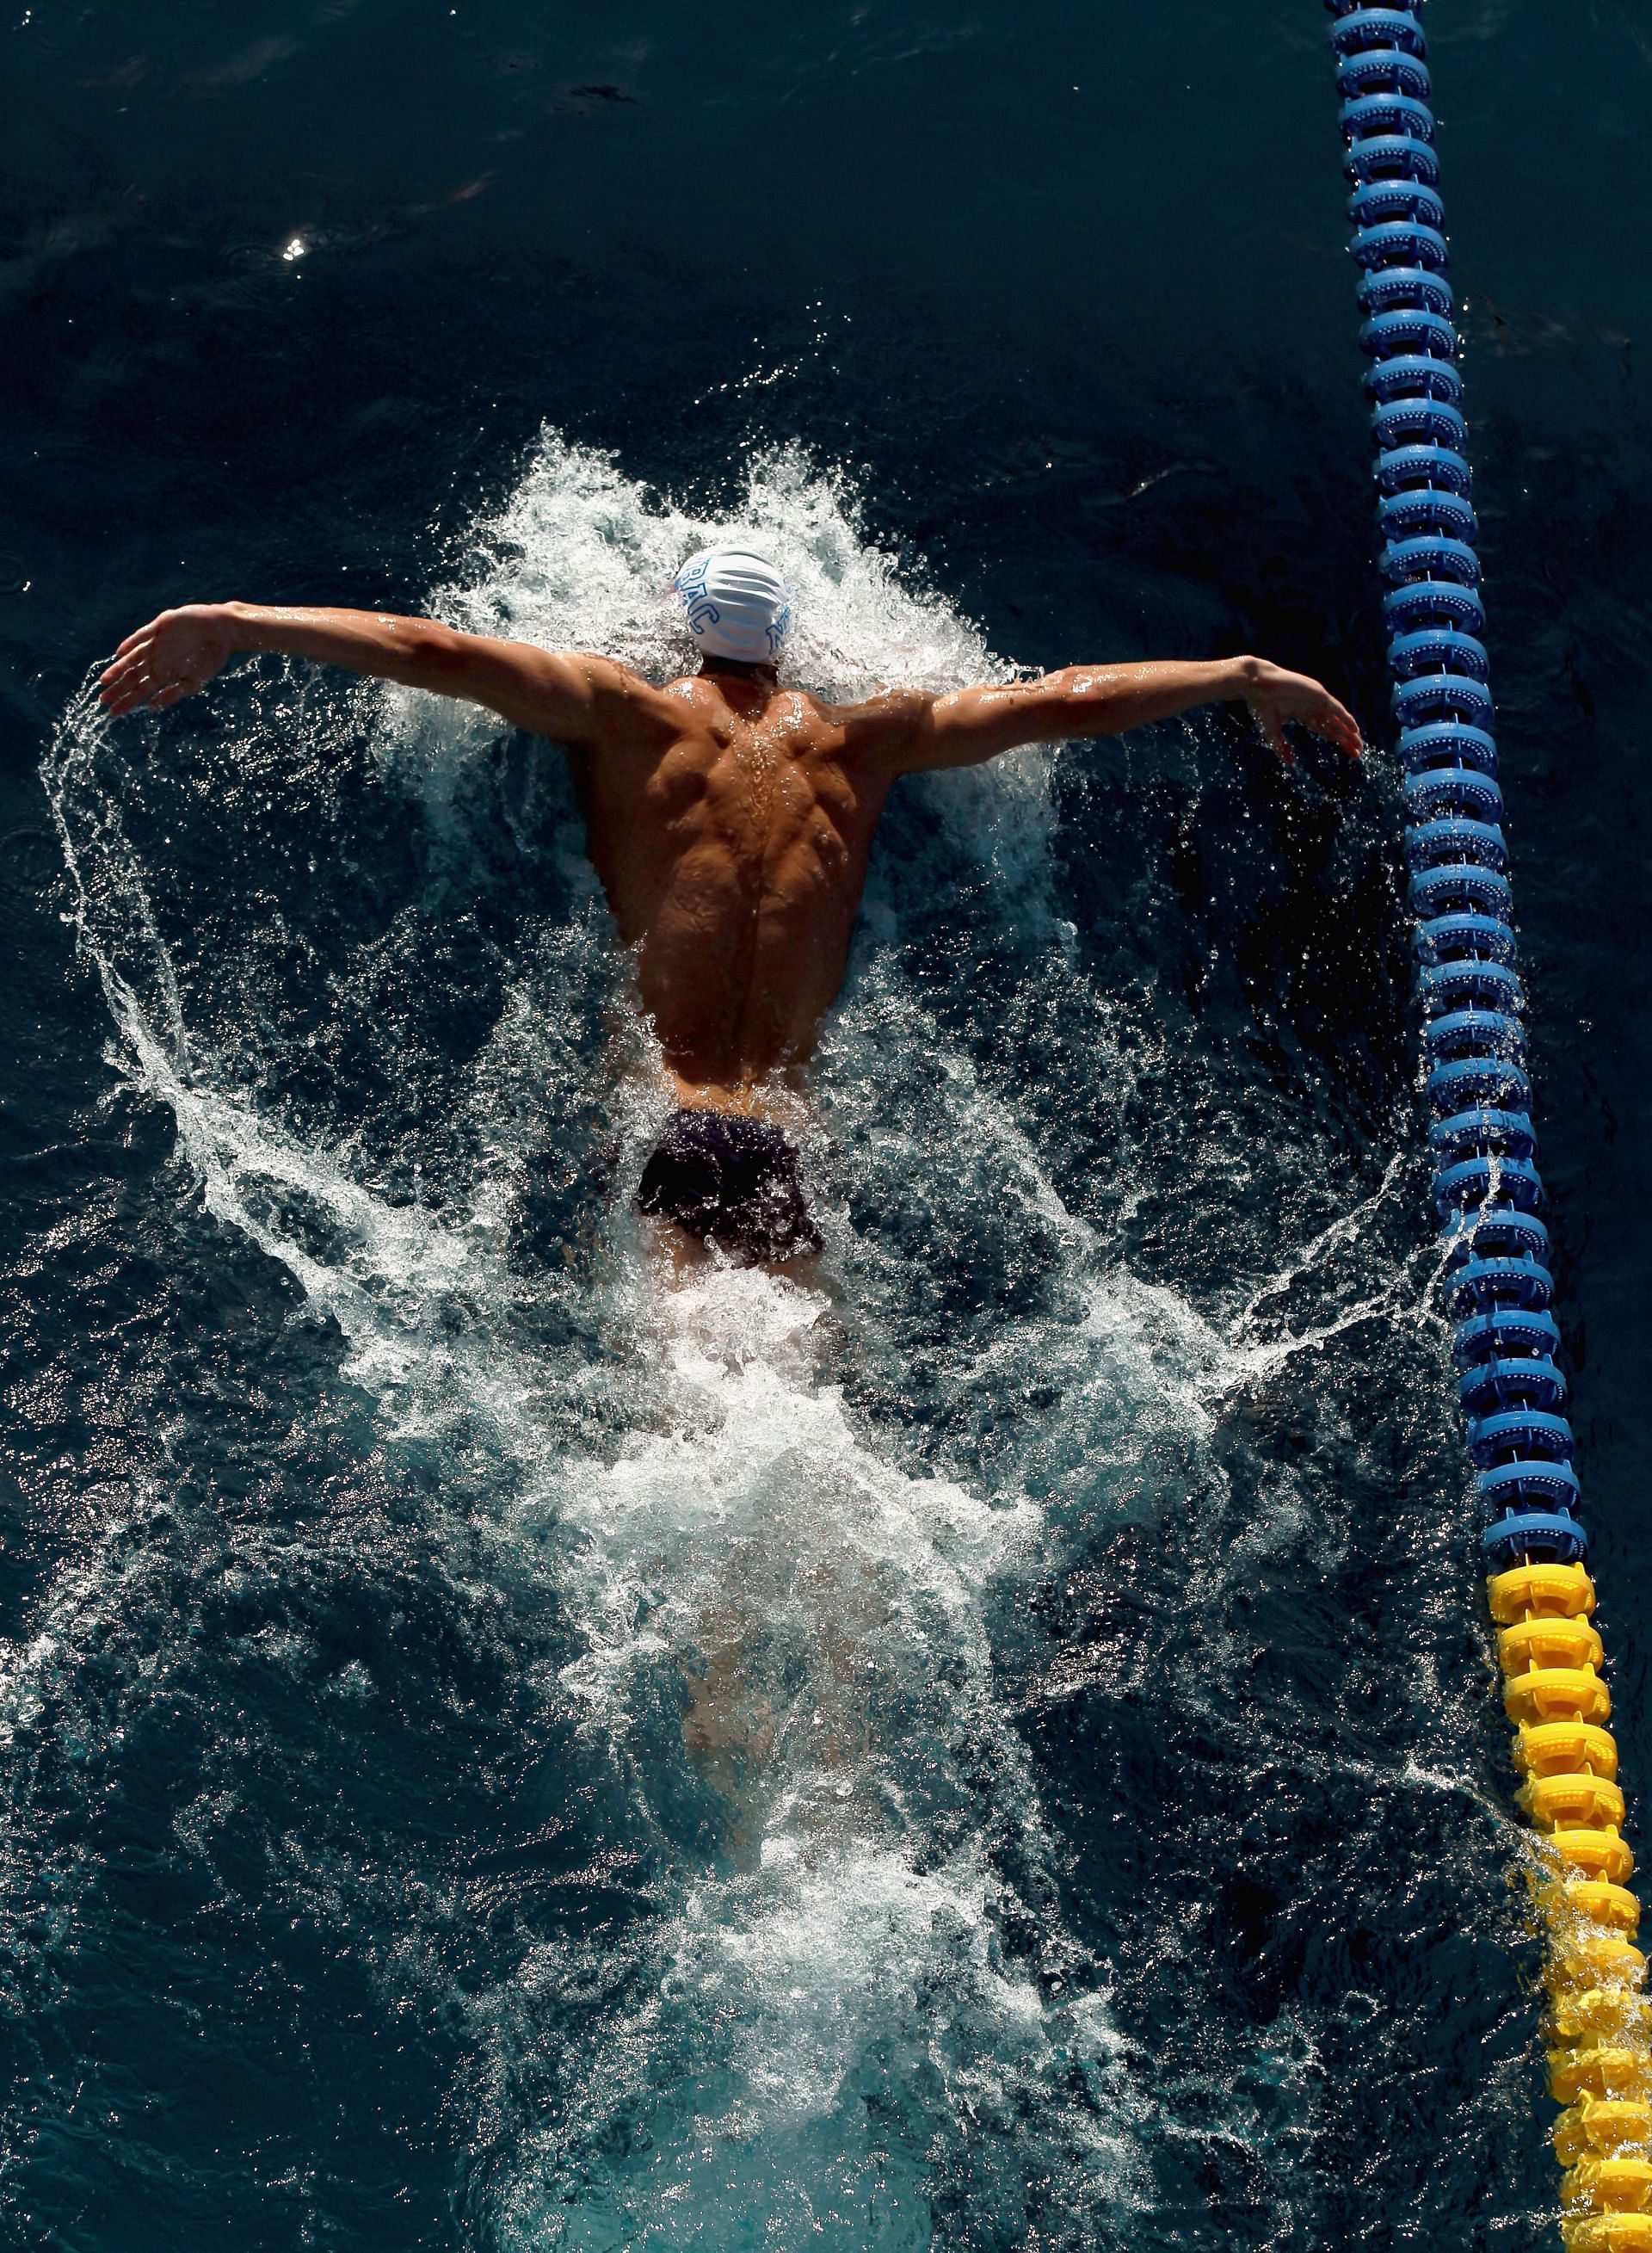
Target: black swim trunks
[{"x": 732, "y": 1182}]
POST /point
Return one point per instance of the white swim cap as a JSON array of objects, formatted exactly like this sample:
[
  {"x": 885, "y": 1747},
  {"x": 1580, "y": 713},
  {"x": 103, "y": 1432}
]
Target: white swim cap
[{"x": 737, "y": 604}]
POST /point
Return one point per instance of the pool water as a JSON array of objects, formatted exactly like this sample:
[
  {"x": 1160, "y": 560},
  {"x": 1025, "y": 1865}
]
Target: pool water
[{"x": 996, "y": 1752}]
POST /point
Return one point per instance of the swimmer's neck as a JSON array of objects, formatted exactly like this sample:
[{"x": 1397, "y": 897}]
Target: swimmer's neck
[{"x": 734, "y": 669}]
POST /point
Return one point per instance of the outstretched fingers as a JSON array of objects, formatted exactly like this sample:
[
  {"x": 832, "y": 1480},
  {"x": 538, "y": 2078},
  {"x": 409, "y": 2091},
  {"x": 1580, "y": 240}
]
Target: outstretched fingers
[
  {"x": 124, "y": 687},
  {"x": 1312, "y": 707},
  {"x": 1274, "y": 735},
  {"x": 133, "y": 659},
  {"x": 172, "y": 657},
  {"x": 141, "y": 688},
  {"x": 1337, "y": 725},
  {"x": 141, "y": 675}
]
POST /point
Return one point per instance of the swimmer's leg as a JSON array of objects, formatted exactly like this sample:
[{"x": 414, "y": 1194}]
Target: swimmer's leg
[{"x": 728, "y": 1735}]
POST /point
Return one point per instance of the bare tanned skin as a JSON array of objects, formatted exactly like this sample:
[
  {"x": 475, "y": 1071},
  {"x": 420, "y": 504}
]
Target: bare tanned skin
[{"x": 730, "y": 819}]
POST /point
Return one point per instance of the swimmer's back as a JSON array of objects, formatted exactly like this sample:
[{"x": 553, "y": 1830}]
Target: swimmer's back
[{"x": 731, "y": 829}]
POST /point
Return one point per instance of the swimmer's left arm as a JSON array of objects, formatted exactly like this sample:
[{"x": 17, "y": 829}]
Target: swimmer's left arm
[
  {"x": 971, "y": 725},
  {"x": 578, "y": 699}
]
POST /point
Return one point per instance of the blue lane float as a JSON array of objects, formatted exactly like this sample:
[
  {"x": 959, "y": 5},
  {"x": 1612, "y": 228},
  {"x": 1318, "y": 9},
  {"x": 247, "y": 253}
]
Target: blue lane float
[
  {"x": 1496, "y": 1284},
  {"x": 1482, "y": 1135}
]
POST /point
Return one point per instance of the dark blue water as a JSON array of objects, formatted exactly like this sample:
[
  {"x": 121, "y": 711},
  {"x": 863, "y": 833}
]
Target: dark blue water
[{"x": 1107, "y": 1841}]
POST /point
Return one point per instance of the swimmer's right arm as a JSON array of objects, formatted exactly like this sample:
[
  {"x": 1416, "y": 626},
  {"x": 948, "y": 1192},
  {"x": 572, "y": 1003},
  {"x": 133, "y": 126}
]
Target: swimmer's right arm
[
  {"x": 574, "y": 697},
  {"x": 971, "y": 725}
]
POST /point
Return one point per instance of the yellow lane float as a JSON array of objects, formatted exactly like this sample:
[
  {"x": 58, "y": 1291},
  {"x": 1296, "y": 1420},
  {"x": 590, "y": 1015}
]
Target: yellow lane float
[
  {"x": 1607, "y": 2233},
  {"x": 1598, "y": 2032}
]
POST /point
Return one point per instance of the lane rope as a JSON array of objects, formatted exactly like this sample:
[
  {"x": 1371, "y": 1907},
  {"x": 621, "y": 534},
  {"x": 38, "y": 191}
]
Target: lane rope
[{"x": 1497, "y": 1282}]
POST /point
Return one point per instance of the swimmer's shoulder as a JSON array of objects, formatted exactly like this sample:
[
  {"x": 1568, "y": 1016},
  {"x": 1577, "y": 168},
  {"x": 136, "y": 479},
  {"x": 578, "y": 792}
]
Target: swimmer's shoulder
[
  {"x": 637, "y": 713},
  {"x": 865, "y": 730},
  {"x": 879, "y": 727}
]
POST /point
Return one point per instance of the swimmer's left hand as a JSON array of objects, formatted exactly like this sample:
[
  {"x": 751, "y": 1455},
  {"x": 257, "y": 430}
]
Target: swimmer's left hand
[
  {"x": 173, "y": 656},
  {"x": 1276, "y": 697}
]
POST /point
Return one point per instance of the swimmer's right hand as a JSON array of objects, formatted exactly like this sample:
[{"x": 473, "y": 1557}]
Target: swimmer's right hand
[
  {"x": 170, "y": 658},
  {"x": 1276, "y": 697}
]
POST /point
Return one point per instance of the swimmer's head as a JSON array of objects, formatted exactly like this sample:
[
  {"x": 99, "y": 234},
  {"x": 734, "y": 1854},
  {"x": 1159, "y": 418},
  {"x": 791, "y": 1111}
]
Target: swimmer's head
[{"x": 737, "y": 603}]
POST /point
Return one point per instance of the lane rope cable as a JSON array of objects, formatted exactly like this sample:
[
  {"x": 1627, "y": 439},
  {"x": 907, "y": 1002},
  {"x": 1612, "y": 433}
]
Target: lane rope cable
[{"x": 1496, "y": 1279}]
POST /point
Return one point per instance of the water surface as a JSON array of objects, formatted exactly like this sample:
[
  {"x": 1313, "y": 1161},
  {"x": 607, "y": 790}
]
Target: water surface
[{"x": 1098, "y": 1831}]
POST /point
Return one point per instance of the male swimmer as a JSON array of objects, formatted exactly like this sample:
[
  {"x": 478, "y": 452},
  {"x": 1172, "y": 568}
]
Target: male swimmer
[{"x": 730, "y": 821}]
